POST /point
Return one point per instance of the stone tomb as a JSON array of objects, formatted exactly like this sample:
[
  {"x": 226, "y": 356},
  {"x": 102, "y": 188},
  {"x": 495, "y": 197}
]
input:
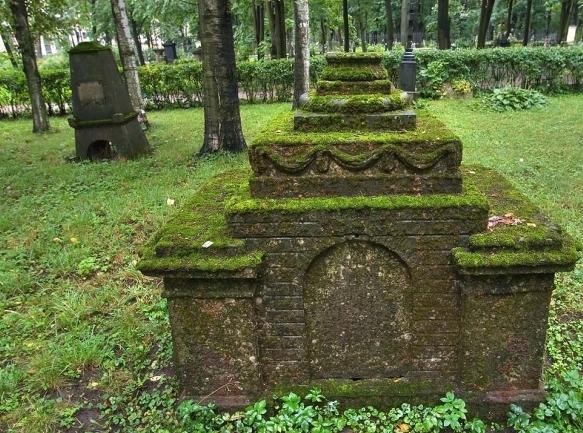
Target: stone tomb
[
  {"x": 106, "y": 126},
  {"x": 359, "y": 260}
]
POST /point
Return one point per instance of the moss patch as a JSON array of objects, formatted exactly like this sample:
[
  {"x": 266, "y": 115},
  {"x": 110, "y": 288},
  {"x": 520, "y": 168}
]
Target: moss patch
[
  {"x": 534, "y": 242},
  {"x": 178, "y": 245},
  {"x": 341, "y": 57},
  {"x": 370, "y": 103},
  {"x": 281, "y": 132},
  {"x": 351, "y": 87},
  {"x": 354, "y": 73},
  {"x": 88, "y": 47},
  {"x": 470, "y": 197}
]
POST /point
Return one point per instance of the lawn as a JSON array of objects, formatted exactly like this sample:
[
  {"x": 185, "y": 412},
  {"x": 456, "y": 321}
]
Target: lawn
[{"x": 84, "y": 337}]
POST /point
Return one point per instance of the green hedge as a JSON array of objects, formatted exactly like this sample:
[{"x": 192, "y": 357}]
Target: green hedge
[{"x": 180, "y": 84}]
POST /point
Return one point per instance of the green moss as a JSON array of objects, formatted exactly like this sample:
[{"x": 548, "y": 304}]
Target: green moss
[
  {"x": 566, "y": 256},
  {"x": 280, "y": 132},
  {"x": 151, "y": 264},
  {"x": 341, "y": 57},
  {"x": 354, "y": 73},
  {"x": 538, "y": 244},
  {"x": 470, "y": 197},
  {"x": 88, "y": 47},
  {"x": 519, "y": 237},
  {"x": 372, "y": 103},
  {"x": 202, "y": 219},
  {"x": 324, "y": 87}
]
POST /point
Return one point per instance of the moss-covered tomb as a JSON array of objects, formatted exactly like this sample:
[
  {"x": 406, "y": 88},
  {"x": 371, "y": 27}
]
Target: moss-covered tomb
[{"x": 358, "y": 255}]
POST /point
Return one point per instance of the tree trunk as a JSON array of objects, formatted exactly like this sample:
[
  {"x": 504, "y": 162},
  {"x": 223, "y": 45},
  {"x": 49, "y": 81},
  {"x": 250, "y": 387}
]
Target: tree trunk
[
  {"x": 346, "y": 29},
  {"x": 405, "y": 6},
  {"x": 443, "y": 36},
  {"x": 566, "y": 11},
  {"x": 259, "y": 24},
  {"x": 302, "y": 50},
  {"x": 485, "y": 15},
  {"x": 527, "y": 23},
  {"x": 6, "y": 36},
  {"x": 389, "y": 26},
  {"x": 277, "y": 28},
  {"x": 222, "y": 119},
  {"x": 509, "y": 19},
  {"x": 324, "y": 38},
  {"x": 40, "y": 120},
  {"x": 127, "y": 53},
  {"x": 137, "y": 42}
]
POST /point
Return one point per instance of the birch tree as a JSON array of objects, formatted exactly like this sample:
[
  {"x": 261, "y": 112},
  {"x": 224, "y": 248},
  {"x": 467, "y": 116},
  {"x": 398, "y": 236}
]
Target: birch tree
[
  {"x": 302, "y": 50},
  {"x": 127, "y": 53}
]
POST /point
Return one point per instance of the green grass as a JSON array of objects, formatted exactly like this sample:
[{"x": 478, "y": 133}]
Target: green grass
[{"x": 83, "y": 335}]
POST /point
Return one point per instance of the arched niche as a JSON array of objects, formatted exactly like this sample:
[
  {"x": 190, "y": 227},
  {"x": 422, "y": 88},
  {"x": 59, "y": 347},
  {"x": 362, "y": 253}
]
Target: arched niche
[{"x": 357, "y": 308}]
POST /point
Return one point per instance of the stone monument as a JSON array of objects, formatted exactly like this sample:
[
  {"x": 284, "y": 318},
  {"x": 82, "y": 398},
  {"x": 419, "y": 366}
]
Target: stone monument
[
  {"x": 359, "y": 257},
  {"x": 106, "y": 126}
]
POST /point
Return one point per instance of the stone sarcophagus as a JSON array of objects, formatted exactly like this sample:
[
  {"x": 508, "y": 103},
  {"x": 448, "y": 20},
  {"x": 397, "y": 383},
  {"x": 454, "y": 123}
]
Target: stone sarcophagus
[
  {"x": 106, "y": 125},
  {"x": 360, "y": 257}
]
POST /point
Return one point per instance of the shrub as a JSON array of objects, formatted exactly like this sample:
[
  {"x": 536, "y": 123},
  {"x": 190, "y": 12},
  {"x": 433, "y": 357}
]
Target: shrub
[{"x": 513, "y": 98}]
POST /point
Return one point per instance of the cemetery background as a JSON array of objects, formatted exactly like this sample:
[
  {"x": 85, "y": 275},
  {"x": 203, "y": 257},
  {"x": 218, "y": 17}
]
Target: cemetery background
[{"x": 103, "y": 352}]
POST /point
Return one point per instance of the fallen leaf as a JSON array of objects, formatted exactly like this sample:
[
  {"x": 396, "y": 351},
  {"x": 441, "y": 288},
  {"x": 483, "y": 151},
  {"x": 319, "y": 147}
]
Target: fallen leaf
[
  {"x": 74, "y": 240},
  {"x": 207, "y": 244},
  {"x": 531, "y": 224},
  {"x": 170, "y": 201}
]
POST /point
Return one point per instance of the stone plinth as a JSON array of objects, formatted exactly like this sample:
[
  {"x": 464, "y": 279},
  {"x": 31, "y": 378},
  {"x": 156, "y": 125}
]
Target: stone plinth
[
  {"x": 106, "y": 126},
  {"x": 360, "y": 263}
]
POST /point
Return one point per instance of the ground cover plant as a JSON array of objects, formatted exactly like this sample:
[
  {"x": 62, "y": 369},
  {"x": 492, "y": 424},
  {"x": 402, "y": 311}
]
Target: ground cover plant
[{"x": 84, "y": 338}]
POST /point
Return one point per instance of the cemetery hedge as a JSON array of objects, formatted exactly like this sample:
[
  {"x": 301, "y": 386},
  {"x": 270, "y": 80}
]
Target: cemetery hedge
[{"x": 180, "y": 84}]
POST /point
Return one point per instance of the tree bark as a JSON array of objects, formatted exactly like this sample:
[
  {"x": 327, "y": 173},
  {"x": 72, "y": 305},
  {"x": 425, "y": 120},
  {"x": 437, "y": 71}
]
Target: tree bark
[
  {"x": 346, "y": 28},
  {"x": 276, "y": 14},
  {"x": 6, "y": 36},
  {"x": 40, "y": 120},
  {"x": 443, "y": 28},
  {"x": 389, "y": 25},
  {"x": 302, "y": 50},
  {"x": 324, "y": 38},
  {"x": 137, "y": 42},
  {"x": 405, "y": 6},
  {"x": 222, "y": 119},
  {"x": 259, "y": 24},
  {"x": 485, "y": 15},
  {"x": 509, "y": 18},
  {"x": 566, "y": 11},
  {"x": 127, "y": 53},
  {"x": 527, "y": 23}
]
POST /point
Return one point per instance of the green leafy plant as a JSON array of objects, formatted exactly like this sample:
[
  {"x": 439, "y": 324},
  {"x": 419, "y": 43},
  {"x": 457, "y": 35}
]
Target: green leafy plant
[{"x": 514, "y": 98}]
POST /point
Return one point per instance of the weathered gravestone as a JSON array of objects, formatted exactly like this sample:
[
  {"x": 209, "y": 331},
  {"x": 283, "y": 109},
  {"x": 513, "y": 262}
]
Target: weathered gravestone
[
  {"x": 106, "y": 125},
  {"x": 356, "y": 257}
]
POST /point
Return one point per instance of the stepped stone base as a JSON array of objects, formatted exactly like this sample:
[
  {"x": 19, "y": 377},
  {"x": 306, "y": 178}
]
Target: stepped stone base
[
  {"x": 390, "y": 121},
  {"x": 318, "y": 186}
]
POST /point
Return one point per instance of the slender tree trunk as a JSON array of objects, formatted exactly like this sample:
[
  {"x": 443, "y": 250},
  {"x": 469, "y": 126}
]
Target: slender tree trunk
[
  {"x": 6, "y": 36},
  {"x": 389, "y": 25},
  {"x": 443, "y": 36},
  {"x": 277, "y": 28},
  {"x": 40, "y": 120},
  {"x": 324, "y": 38},
  {"x": 93, "y": 19},
  {"x": 259, "y": 24},
  {"x": 301, "y": 50},
  {"x": 527, "y": 23},
  {"x": 566, "y": 11},
  {"x": 137, "y": 42},
  {"x": 485, "y": 15},
  {"x": 222, "y": 119},
  {"x": 127, "y": 53},
  {"x": 346, "y": 28},
  {"x": 405, "y": 6},
  {"x": 509, "y": 18}
]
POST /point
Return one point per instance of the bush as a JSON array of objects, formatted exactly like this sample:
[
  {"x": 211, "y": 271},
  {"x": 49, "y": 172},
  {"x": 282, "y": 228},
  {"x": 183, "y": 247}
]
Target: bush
[
  {"x": 513, "y": 98},
  {"x": 180, "y": 84}
]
